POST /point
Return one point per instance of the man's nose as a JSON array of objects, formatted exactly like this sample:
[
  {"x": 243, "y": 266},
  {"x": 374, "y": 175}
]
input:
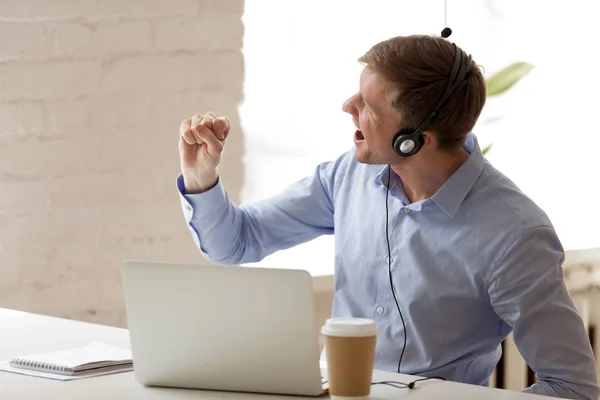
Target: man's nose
[{"x": 348, "y": 106}]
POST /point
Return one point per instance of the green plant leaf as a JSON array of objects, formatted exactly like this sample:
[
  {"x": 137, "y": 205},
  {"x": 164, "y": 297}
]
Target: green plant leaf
[
  {"x": 504, "y": 79},
  {"x": 486, "y": 149}
]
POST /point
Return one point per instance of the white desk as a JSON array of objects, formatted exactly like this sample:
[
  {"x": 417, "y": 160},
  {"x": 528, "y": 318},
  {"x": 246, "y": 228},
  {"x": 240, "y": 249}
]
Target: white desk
[{"x": 23, "y": 333}]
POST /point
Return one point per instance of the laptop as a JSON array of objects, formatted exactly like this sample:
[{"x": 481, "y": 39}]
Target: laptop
[{"x": 219, "y": 327}]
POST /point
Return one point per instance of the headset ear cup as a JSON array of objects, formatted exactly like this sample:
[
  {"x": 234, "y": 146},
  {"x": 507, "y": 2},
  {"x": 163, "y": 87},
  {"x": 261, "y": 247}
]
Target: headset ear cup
[
  {"x": 401, "y": 142},
  {"x": 399, "y": 138}
]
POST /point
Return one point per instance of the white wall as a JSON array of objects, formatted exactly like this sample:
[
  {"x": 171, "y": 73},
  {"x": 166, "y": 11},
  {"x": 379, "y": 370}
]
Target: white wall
[{"x": 91, "y": 96}]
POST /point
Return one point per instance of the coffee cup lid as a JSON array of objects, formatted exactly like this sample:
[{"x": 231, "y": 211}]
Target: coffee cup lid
[{"x": 349, "y": 327}]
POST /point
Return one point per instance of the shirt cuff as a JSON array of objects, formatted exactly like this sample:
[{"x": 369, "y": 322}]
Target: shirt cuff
[{"x": 208, "y": 204}]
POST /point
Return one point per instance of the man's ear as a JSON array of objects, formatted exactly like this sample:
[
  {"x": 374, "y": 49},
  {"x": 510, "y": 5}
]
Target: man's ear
[{"x": 429, "y": 140}]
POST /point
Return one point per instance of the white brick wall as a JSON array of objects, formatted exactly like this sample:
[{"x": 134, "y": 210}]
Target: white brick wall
[
  {"x": 79, "y": 39},
  {"x": 50, "y": 10},
  {"x": 91, "y": 96}
]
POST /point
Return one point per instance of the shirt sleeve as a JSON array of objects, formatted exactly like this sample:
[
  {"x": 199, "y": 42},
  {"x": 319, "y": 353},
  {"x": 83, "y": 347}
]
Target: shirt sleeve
[
  {"x": 230, "y": 234},
  {"x": 528, "y": 292}
]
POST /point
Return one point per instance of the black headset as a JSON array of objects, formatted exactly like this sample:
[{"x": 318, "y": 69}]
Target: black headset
[{"x": 408, "y": 142}]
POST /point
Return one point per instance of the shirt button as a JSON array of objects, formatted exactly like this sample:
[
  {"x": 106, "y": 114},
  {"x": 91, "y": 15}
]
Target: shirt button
[
  {"x": 388, "y": 260},
  {"x": 188, "y": 207},
  {"x": 380, "y": 310},
  {"x": 406, "y": 210}
]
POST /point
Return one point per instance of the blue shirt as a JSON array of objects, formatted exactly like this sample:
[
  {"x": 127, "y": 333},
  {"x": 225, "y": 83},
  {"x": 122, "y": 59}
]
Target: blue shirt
[{"x": 473, "y": 263}]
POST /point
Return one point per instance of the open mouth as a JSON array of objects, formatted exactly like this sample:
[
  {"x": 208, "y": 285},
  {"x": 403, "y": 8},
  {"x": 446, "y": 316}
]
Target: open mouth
[{"x": 358, "y": 136}]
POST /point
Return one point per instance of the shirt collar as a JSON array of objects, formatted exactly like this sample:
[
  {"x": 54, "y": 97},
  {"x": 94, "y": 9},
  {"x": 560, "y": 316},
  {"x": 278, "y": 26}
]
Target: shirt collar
[{"x": 452, "y": 193}]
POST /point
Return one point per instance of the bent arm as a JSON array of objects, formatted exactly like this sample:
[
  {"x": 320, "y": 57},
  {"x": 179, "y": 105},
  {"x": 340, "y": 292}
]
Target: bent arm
[
  {"x": 230, "y": 234},
  {"x": 528, "y": 292}
]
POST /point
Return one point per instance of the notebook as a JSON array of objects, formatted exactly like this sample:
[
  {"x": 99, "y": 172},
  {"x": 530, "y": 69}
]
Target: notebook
[{"x": 90, "y": 360}]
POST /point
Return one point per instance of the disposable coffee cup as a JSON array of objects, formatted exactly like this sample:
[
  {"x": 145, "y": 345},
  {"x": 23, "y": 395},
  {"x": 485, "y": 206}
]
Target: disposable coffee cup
[{"x": 350, "y": 348}]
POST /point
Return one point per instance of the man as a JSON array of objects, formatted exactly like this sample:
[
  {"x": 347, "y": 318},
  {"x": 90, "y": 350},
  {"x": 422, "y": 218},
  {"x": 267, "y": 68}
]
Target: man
[{"x": 434, "y": 244}]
